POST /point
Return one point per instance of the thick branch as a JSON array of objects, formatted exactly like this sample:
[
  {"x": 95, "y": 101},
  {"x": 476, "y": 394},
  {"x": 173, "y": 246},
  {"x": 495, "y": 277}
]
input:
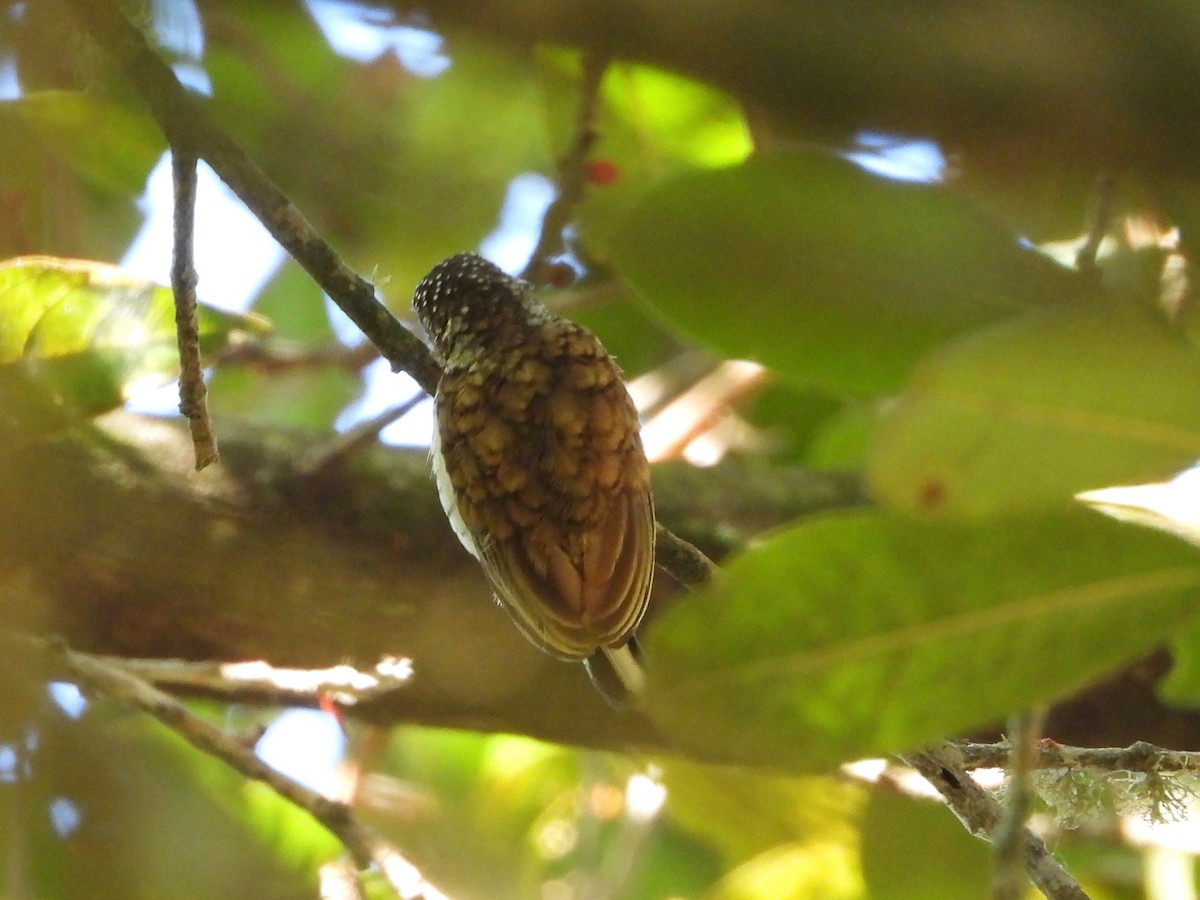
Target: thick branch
[{"x": 304, "y": 568}]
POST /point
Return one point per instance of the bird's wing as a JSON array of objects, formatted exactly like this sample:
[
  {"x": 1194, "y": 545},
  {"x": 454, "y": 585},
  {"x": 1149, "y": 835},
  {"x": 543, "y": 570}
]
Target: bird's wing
[{"x": 569, "y": 603}]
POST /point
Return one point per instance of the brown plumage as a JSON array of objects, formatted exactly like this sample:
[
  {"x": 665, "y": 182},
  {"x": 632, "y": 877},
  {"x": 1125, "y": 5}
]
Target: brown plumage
[{"x": 539, "y": 464}]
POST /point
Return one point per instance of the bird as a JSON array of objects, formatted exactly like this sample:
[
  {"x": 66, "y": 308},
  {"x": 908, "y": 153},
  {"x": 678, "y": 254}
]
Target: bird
[{"x": 539, "y": 466}]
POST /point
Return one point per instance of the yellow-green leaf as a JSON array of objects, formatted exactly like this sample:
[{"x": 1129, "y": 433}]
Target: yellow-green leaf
[
  {"x": 861, "y": 634},
  {"x": 76, "y": 336},
  {"x": 1027, "y": 414},
  {"x": 825, "y": 273}
]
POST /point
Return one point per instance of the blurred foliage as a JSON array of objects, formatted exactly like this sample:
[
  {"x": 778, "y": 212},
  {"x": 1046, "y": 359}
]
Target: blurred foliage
[
  {"x": 911, "y": 331},
  {"x": 77, "y": 337},
  {"x": 105, "y": 802}
]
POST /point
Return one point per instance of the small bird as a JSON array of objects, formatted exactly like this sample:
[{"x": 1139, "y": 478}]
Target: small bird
[{"x": 540, "y": 467}]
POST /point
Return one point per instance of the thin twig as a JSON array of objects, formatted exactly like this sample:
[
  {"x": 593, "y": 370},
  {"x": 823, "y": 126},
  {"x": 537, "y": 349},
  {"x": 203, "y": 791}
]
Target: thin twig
[
  {"x": 193, "y": 394},
  {"x": 700, "y": 408},
  {"x": 572, "y": 173},
  {"x": 336, "y": 450},
  {"x": 1138, "y": 757},
  {"x": 980, "y": 814},
  {"x": 1085, "y": 259},
  {"x": 364, "y": 846},
  {"x": 1008, "y": 874},
  {"x": 686, "y": 563},
  {"x": 338, "y": 880},
  {"x": 264, "y": 684},
  {"x": 277, "y": 355}
]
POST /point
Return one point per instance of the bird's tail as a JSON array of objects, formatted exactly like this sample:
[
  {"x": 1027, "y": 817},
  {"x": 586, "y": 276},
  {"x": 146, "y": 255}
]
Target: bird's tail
[{"x": 617, "y": 672}]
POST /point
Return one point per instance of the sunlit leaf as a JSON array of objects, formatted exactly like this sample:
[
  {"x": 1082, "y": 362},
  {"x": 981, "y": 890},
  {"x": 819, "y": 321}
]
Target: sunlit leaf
[
  {"x": 650, "y": 124},
  {"x": 76, "y": 336},
  {"x": 860, "y": 635},
  {"x": 827, "y": 274},
  {"x": 1029, "y": 413}
]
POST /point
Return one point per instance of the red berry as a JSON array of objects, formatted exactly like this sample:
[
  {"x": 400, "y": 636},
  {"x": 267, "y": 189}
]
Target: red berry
[
  {"x": 602, "y": 172},
  {"x": 560, "y": 275}
]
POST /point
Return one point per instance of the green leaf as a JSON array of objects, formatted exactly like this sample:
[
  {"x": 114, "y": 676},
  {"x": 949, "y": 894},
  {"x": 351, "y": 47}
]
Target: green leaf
[
  {"x": 1181, "y": 686},
  {"x": 897, "y": 835},
  {"x": 860, "y": 634},
  {"x": 652, "y": 124},
  {"x": 827, "y": 274},
  {"x": 796, "y": 871},
  {"x": 1027, "y": 414},
  {"x": 76, "y": 336},
  {"x": 743, "y": 813},
  {"x": 793, "y": 419}
]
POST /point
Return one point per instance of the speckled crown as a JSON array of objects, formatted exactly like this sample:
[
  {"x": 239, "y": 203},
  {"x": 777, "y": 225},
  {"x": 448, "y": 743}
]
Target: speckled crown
[{"x": 465, "y": 301}]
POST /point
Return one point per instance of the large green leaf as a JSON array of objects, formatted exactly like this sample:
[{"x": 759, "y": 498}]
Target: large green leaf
[
  {"x": 1029, "y": 413},
  {"x": 823, "y": 272},
  {"x": 76, "y": 336},
  {"x": 860, "y": 634}
]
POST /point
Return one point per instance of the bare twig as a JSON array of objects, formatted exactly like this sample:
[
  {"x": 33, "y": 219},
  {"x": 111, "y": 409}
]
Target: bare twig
[
  {"x": 1085, "y": 259},
  {"x": 262, "y": 683},
  {"x": 336, "y": 450},
  {"x": 193, "y": 395},
  {"x": 1138, "y": 757},
  {"x": 980, "y": 814},
  {"x": 686, "y": 563},
  {"x": 338, "y": 880},
  {"x": 364, "y": 846},
  {"x": 1008, "y": 876},
  {"x": 572, "y": 173},
  {"x": 286, "y": 356}
]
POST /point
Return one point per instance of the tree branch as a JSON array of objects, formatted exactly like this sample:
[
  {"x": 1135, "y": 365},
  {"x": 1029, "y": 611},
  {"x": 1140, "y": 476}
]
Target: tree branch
[
  {"x": 1009, "y": 837},
  {"x": 193, "y": 394},
  {"x": 980, "y": 814},
  {"x": 1138, "y": 757},
  {"x": 363, "y": 844},
  {"x": 572, "y": 172},
  {"x": 185, "y": 121},
  {"x": 359, "y": 555}
]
